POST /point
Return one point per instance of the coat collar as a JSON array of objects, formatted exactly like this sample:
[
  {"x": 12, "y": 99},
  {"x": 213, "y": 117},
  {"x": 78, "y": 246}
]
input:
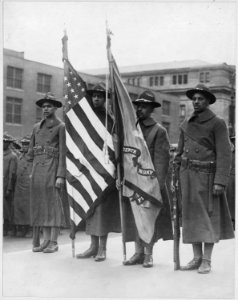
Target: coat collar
[
  {"x": 148, "y": 121},
  {"x": 6, "y": 152},
  {"x": 50, "y": 123},
  {"x": 203, "y": 116}
]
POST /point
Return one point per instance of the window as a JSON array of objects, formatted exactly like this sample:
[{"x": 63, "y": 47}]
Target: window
[
  {"x": 166, "y": 126},
  {"x": 166, "y": 107},
  {"x": 138, "y": 81},
  {"x": 156, "y": 80},
  {"x": 14, "y": 77},
  {"x": 133, "y": 81},
  {"x": 182, "y": 112},
  {"x": 43, "y": 83},
  {"x": 151, "y": 79},
  {"x": 161, "y": 80},
  {"x": 180, "y": 79},
  {"x": 204, "y": 77},
  {"x": 13, "y": 110}
]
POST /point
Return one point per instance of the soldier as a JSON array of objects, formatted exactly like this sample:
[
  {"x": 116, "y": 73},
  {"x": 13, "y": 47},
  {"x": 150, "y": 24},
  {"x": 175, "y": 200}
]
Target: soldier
[
  {"x": 22, "y": 190},
  {"x": 9, "y": 180},
  {"x": 231, "y": 184},
  {"x": 157, "y": 141},
  {"x": 106, "y": 216},
  {"x": 47, "y": 150},
  {"x": 204, "y": 158}
]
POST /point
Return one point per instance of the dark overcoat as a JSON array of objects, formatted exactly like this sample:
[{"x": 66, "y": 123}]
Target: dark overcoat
[
  {"x": 9, "y": 180},
  {"x": 22, "y": 191},
  {"x": 47, "y": 150},
  {"x": 106, "y": 216},
  {"x": 231, "y": 190},
  {"x": 158, "y": 144},
  {"x": 204, "y": 139}
]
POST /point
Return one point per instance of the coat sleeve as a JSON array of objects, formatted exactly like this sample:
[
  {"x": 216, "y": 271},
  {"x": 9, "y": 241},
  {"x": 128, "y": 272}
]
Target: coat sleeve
[
  {"x": 61, "y": 172},
  {"x": 161, "y": 155},
  {"x": 30, "y": 152},
  {"x": 223, "y": 153},
  {"x": 12, "y": 173}
]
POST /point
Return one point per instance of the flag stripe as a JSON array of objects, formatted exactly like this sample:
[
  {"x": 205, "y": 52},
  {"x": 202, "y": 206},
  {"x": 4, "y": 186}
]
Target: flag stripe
[
  {"x": 81, "y": 183},
  {"x": 75, "y": 151},
  {"x": 94, "y": 120},
  {"x": 78, "y": 140},
  {"x": 92, "y": 147},
  {"x": 78, "y": 199},
  {"x": 96, "y": 188},
  {"x": 76, "y": 219}
]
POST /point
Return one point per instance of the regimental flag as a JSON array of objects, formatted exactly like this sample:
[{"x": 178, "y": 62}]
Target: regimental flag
[
  {"x": 89, "y": 175},
  {"x": 140, "y": 183}
]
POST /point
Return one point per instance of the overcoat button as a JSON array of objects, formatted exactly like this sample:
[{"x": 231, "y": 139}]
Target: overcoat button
[
  {"x": 197, "y": 150},
  {"x": 186, "y": 150}
]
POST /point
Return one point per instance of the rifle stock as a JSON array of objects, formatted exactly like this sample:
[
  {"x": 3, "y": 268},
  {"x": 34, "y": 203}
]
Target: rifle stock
[{"x": 176, "y": 224}]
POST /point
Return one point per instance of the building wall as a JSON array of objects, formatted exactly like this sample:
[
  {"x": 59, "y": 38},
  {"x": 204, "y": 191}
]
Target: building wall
[{"x": 30, "y": 95}]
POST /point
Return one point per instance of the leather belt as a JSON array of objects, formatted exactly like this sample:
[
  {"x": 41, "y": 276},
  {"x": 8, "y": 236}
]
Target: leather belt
[
  {"x": 48, "y": 150},
  {"x": 197, "y": 165}
]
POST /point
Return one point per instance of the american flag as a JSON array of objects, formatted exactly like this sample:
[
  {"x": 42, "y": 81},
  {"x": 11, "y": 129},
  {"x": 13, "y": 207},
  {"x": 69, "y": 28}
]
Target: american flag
[{"x": 89, "y": 174}]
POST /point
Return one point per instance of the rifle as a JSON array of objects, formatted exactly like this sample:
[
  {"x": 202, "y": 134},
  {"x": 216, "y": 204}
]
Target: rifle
[{"x": 175, "y": 187}]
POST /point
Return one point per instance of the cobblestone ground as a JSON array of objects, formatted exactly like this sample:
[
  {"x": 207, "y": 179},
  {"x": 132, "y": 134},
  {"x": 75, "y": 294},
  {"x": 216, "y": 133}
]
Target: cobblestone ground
[{"x": 58, "y": 275}]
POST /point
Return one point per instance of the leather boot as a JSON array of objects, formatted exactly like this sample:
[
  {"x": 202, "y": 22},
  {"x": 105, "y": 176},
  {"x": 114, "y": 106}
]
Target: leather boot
[
  {"x": 51, "y": 248},
  {"x": 205, "y": 266},
  {"x": 41, "y": 247},
  {"x": 93, "y": 249},
  {"x": 137, "y": 258},
  {"x": 148, "y": 261},
  {"x": 194, "y": 264},
  {"x": 101, "y": 255}
]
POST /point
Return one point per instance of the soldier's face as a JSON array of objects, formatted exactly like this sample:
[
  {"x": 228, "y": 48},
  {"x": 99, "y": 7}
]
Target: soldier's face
[
  {"x": 143, "y": 111},
  {"x": 200, "y": 102},
  {"x": 48, "y": 110},
  {"x": 98, "y": 100},
  {"x": 6, "y": 145},
  {"x": 25, "y": 147}
]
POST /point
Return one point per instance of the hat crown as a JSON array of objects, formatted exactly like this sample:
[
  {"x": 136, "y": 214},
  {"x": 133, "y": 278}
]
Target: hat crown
[
  {"x": 202, "y": 87},
  {"x": 147, "y": 95},
  {"x": 50, "y": 96},
  {"x": 7, "y": 137}
]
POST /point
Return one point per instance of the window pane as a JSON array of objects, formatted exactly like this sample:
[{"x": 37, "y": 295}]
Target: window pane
[
  {"x": 151, "y": 81},
  {"x": 165, "y": 107},
  {"x": 161, "y": 80},
  {"x": 201, "y": 77},
  {"x": 185, "y": 78},
  {"x": 13, "y": 110},
  {"x": 207, "y": 77},
  {"x": 9, "y": 118},
  {"x": 17, "y": 119},
  {"x": 156, "y": 80},
  {"x": 174, "y": 79}
]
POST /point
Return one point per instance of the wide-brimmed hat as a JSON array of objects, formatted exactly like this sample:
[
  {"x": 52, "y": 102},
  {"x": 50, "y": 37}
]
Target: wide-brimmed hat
[
  {"x": 49, "y": 97},
  {"x": 26, "y": 139},
  {"x": 201, "y": 88},
  {"x": 147, "y": 97},
  {"x": 8, "y": 138},
  {"x": 98, "y": 89}
]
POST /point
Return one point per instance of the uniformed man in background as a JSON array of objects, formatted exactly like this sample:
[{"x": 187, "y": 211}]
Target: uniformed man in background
[
  {"x": 9, "y": 181},
  {"x": 204, "y": 159}
]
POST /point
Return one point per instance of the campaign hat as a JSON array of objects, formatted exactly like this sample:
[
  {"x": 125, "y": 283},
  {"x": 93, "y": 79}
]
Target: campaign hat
[
  {"x": 50, "y": 98},
  {"x": 201, "y": 88},
  {"x": 97, "y": 89},
  {"x": 8, "y": 138},
  {"x": 26, "y": 139},
  {"x": 147, "y": 97}
]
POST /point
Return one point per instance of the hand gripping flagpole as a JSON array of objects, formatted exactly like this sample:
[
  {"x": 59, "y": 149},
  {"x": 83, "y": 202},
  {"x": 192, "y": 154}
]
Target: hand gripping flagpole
[
  {"x": 64, "y": 58},
  {"x": 117, "y": 150}
]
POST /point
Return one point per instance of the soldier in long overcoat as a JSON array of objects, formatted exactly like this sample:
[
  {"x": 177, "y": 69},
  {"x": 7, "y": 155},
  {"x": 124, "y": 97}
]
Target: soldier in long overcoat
[
  {"x": 231, "y": 188},
  {"x": 157, "y": 141},
  {"x": 9, "y": 180},
  {"x": 22, "y": 190},
  {"x": 106, "y": 216},
  {"x": 204, "y": 158},
  {"x": 47, "y": 150}
]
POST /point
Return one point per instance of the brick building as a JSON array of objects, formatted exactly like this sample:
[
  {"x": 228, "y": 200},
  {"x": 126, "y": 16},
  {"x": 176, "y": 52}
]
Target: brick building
[
  {"x": 25, "y": 81},
  {"x": 175, "y": 78}
]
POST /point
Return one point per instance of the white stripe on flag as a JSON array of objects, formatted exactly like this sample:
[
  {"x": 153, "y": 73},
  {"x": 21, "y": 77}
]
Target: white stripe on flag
[
  {"x": 93, "y": 118},
  {"x": 93, "y": 148},
  {"x": 78, "y": 155},
  {"x": 74, "y": 217},
  {"x": 81, "y": 178},
  {"x": 77, "y": 196}
]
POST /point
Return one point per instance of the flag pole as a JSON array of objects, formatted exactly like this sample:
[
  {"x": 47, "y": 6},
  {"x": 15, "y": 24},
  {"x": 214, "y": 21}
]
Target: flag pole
[
  {"x": 64, "y": 58},
  {"x": 117, "y": 150}
]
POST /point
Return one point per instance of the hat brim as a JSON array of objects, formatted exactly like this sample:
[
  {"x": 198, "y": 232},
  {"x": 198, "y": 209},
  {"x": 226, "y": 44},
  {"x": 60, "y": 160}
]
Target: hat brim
[
  {"x": 56, "y": 103},
  {"x": 210, "y": 96},
  {"x": 144, "y": 101},
  {"x": 91, "y": 92}
]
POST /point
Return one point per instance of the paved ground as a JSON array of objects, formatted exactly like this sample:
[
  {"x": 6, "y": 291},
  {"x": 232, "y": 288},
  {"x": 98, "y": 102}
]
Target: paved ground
[{"x": 58, "y": 275}]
